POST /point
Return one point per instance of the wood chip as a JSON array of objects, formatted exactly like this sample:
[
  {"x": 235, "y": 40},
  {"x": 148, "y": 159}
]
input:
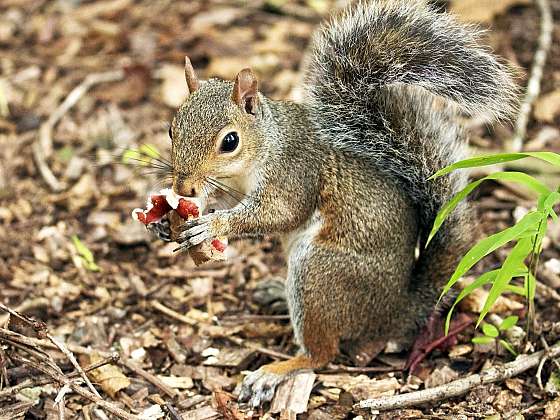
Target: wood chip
[{"x": 293, "y": 394}]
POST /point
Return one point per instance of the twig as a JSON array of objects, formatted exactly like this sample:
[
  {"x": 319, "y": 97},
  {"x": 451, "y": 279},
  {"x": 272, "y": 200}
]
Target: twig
[
  {"x": 259, "y": 349},
  {"x": 29, "y": 383},
  {"x": 63, "y": 380},
  {"x": 23, "y": 307},
  {"x": 539, "y": 371},
  {"x": 42, "y": 148},
  {"x": 460, "y": 386},
  {"x": 74, "y": 362},
  {"x": 41, "y": 329},
  {"x": 534, "y": 85},
  {"x": 547, "y": 349},
  {"x": 154, "y": 380},
  {"x": 171, "y": 313}
]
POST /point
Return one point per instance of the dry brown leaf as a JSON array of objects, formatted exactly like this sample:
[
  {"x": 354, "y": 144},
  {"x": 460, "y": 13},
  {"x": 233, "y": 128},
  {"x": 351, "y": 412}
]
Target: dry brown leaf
[
  {"x": 506, "y": 401},
  {"x": 482, "y": 10},
  {"x": 109, "y": 377},
  {"x": 227, "y": 406},
  {"x": 441, "y": 376},
  {"x": 547, "y": 107}
]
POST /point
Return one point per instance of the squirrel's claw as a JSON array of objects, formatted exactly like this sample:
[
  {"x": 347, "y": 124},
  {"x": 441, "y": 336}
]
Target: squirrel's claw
[
  {"x": 259, "y": 386},
  {"x": 194, "y": 232}
]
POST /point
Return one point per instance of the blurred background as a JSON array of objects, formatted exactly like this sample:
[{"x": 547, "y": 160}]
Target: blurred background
[{"x": 81, "y": 82}]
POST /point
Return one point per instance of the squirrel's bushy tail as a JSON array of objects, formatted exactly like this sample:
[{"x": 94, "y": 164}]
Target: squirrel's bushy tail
[{"x": 386, "y": 79}]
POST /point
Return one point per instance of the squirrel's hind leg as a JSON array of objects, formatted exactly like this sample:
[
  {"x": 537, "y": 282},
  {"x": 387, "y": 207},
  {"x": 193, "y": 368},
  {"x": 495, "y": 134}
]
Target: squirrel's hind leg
[{"x": 315, "y": 320}]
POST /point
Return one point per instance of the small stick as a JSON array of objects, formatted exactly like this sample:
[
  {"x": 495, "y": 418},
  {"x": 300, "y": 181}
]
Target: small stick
[
  {"x": 23, "y": 307},
  {"x": 74, "y": 362},
  {"x": 62, "y": 380},
  {"x": 534, "y": 85},
  {"x": 29, "y": 383},
  {"x": 154, "y": 380},
  {"x": 460, "y": 386},
  {"x": 539, "y": 371},
  {"x": 41, "y": 329},
  {"x": 259, "y": 349},
  {"x": 171, "y": 313}
]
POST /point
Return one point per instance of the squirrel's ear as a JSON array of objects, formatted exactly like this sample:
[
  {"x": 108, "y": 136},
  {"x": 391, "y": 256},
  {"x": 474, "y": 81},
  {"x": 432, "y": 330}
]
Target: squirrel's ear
[
  {"x": 245, "y": 91},
  {"x": 190, "y": 76}
]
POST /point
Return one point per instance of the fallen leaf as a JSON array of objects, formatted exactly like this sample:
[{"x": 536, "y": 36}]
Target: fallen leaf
[
  {"x": 109, "y": 377},
  {"x": 227, "y": 406},
  {"x": 441, "y": 376},
  {"x": 459, "y": 350}
]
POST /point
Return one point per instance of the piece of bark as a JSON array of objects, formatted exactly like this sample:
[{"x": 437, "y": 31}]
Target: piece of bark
[{"x": 293, "y": 394}]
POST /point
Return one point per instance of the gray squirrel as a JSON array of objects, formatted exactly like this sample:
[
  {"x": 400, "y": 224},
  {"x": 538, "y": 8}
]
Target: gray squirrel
[{"x": 342, "y": 177}]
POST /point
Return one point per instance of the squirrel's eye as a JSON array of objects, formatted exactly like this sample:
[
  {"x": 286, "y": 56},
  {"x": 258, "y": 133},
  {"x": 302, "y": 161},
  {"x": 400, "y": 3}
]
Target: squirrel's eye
[{"x": 229, "y": 142}]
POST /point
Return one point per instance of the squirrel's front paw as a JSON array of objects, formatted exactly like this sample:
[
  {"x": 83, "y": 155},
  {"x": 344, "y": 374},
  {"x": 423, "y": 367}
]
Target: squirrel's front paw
[
  {"x": 203, "y": 228},
  {"x": 259, "y": 386},
  {"x": 161, "y": 229}
]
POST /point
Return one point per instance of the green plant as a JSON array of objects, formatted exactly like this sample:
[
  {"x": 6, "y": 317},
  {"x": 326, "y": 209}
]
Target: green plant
[
  {"x": 527, "y": 233},
  {"x": 85, "y": 254},
  {"x": 492, "y": 334}
]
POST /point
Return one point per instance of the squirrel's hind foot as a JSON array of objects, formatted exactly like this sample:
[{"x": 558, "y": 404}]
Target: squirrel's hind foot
[{"x": 259, "y": 386}]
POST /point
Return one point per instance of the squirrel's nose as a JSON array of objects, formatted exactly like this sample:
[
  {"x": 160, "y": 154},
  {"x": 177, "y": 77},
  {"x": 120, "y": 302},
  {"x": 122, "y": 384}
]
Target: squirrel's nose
[{"x": 181, "y": 187}]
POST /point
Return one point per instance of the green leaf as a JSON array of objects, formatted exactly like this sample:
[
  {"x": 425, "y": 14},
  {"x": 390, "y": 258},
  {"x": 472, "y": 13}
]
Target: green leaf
[
  {"x": 490, "y": 331},
  {"x": 510, "y": 266},
  {"x": 485, "y": 278},
  {"x": 490, "y": 244},
  {"x": 508, "y": 347},
  {"x": 482, "y": 340},
  {"x": 550, "y": 201},
  {"x": 531, "y": 285},
  {"x": 518, "y": 290},
  {"x": 518, "y": 177},
  {"x": 509, "y": 322},
  {"x": 85, "y": 254},
  {"x": 550, "y": 157}
]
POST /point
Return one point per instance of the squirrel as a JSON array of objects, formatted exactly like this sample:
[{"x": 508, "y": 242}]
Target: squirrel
[{"x": 342, "y": 177}]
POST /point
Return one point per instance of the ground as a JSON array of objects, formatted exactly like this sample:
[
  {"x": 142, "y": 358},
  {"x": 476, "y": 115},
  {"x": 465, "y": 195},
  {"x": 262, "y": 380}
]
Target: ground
[{"x": 184, "y": 335}]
